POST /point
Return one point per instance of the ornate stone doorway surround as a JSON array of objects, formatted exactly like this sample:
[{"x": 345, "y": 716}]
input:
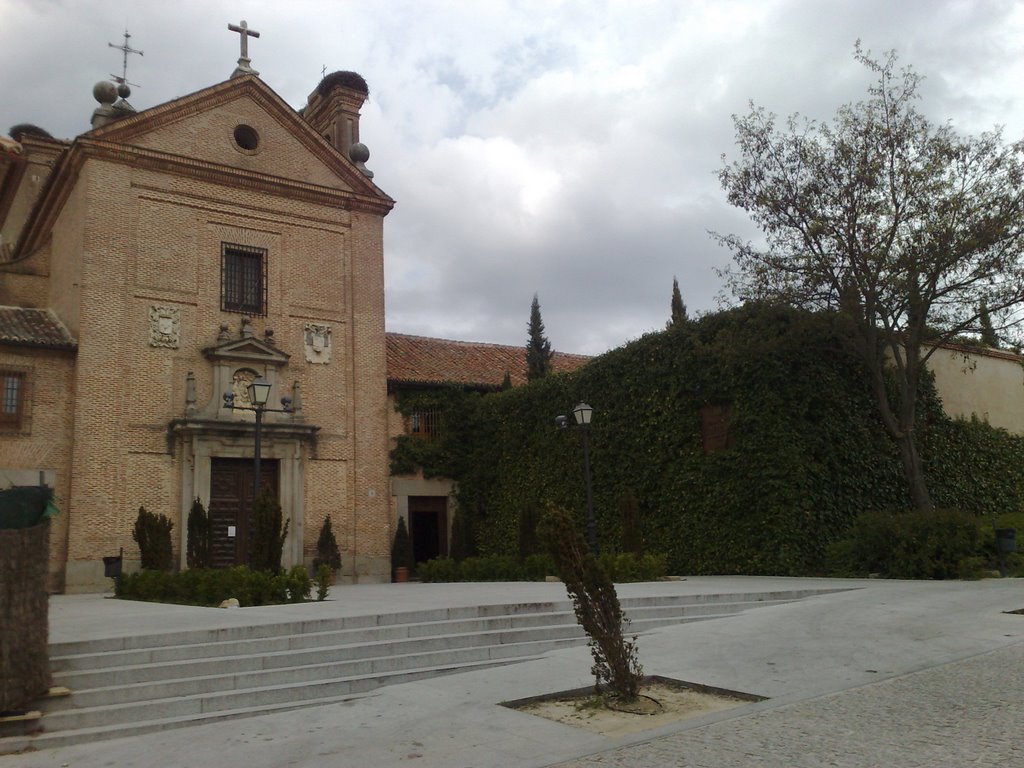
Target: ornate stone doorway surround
[{"x": 215, "y": 431}]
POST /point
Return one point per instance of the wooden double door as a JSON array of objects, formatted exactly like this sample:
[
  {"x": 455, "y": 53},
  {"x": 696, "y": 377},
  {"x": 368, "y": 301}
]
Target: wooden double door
[{"x": 231, "y": 505}]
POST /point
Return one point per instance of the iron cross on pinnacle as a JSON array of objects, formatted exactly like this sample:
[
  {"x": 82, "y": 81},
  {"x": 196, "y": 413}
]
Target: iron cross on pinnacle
[
  {"x": 125, "y": 49},
  {"x": 244, "y": 33}
]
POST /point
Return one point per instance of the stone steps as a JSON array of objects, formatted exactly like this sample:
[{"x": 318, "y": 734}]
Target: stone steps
[{"x": 130, "y": 685}]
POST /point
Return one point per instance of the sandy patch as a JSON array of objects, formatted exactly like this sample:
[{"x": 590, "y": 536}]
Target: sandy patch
[{"x": 677, "y": 702}]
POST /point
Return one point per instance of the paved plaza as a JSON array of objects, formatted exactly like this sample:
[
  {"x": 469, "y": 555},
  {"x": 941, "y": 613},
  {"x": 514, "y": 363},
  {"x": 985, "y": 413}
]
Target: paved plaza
[
  {"x": 960, "y": 714},
  {"x": 883, "y": 673}
]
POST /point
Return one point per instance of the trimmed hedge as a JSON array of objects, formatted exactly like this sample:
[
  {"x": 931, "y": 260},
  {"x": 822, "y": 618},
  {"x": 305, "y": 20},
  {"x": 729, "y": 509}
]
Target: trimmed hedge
[
  {"x": 201, "y": 586},
  {"x": 620, "y": 567},
  {"x": 940, "y": 544},
  {"x": 933, "y": 544}
]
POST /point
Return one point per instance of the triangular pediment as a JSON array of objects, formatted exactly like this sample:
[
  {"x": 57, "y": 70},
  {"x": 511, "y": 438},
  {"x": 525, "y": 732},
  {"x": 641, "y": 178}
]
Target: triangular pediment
[
  {"x": 202, "y": 127},
  {"x": 249, "y": 350},
  {"x": 194, "y": 136}
]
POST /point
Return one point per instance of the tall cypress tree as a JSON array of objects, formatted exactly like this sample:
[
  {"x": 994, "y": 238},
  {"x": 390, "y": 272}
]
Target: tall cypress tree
[
  {"x": 678, "y": 308},
  {"x": 988, "y": 333},
  {"x": 538, "y": 348}
]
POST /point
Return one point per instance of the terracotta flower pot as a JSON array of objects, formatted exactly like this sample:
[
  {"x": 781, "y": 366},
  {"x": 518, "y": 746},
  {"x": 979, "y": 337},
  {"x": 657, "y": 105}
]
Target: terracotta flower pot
[{"x": 401, "y": 574}]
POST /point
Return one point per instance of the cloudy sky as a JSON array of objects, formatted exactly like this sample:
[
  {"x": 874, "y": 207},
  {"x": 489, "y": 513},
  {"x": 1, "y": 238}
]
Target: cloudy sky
[{"x": 564, "y": 148}]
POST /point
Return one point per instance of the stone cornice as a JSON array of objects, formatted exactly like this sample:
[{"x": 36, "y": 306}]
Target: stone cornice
[
  {"x": 273, "y": 430},
  {"x": 63, "y": 178},
  {"x": 238, "y": 178},
  {"x": 278, "y": 429}
]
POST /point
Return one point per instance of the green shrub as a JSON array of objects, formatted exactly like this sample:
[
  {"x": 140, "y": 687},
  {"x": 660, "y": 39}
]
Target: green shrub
[
  {"x": 327, "y": 552},
  {"x": 440, "y": 569},
  {"x": 323, "y": 581},
  {"x": 629, "y": 512},
  {"x": 840, "y": 560},
  {"x": 298, "y": 584},
  {"x": 153, "y": 535},
  {"x": 197, "y": 553},
  {"x": 1015, "y": 564},
  {"x": 492, "y": 568},
  {"x": 462, "y": 537},
  {"x": 401, "y": 548},
  {"x": 920, "y": 544},
  {"x": 621, "y": 567},
  {"x": 973, "y": 567},
  {"x": 1012, "y": 562},
  {"x": 596, "y": 605},
  {"x": 200, "y": 586},
  {"x": 625, "y": 566},
  {"x": 269, "y": 530},
  {"x": 527, "y": 531},
  {"x": 538, "y": 567}
]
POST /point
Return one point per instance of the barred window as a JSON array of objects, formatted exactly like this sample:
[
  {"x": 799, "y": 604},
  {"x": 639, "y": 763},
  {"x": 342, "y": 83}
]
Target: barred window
[
  {"x": 12, "y": 399},
  {"x": 243, "y": 279},
  {"x": 425, "y": 423}
]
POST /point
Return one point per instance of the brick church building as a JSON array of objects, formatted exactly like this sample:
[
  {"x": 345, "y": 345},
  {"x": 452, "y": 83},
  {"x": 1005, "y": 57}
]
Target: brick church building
[{"x": 166, "y": 258}]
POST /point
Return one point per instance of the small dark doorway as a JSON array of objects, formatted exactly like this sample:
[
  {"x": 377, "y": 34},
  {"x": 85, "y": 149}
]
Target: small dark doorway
[
  {"x": 230, "y": 503},
  {"x": 428, "y": 523}
]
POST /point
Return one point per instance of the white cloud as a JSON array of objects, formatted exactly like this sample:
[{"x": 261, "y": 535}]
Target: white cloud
[{"x": 567, "y": 148}]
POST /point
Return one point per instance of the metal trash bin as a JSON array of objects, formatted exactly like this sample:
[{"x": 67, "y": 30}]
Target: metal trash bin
[
  {"x": 1006, "y": 540},
  {"x": 112, "y": 565},
  {"x": 24, "y": 599}
]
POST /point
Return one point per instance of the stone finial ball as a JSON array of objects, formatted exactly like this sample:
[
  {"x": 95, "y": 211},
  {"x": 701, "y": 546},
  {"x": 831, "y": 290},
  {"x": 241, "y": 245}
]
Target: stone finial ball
[
  {"x": 359, "y": 152},
  {"x": 124, "y": 91},
  {"x": 105, "y": 92}
]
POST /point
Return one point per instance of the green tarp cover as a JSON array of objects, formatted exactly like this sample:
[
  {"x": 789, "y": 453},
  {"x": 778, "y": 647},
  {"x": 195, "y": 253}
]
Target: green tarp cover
[{"x": 25, "y": 506}]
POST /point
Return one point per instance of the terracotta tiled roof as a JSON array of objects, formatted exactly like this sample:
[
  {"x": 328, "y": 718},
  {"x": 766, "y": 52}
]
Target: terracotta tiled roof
[
  {"x": 422, "y": 360},
  {"x": 33, "y": 328}
]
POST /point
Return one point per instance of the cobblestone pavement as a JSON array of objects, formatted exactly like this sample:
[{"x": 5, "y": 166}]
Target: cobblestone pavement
[{"x": 967, "y": 713}]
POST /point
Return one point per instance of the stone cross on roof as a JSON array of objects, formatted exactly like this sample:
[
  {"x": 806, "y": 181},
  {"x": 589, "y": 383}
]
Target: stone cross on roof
[{"x": 244, "y": 33}]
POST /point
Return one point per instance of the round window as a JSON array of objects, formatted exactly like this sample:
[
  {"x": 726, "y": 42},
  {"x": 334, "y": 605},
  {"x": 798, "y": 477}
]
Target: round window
[{"x": 247, "y": 138}]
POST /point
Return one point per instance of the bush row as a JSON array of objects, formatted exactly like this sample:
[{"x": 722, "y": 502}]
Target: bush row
[
  {"x": 621, "y": 567},
  {"x": 936, "y": 544},
  {"x": 201, "y": 586}
]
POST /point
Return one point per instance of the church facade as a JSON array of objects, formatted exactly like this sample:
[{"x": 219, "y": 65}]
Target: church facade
[{"x": 165, "y": 259}]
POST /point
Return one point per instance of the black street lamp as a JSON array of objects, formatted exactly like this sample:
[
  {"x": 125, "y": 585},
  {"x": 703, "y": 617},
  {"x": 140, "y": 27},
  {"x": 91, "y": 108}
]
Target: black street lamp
[
  {"x": 259, "y": 393},
  {"x": 582, "y": 413}
]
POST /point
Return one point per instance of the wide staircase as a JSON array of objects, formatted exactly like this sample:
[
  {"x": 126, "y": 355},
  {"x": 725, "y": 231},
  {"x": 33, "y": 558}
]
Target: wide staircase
[{"x": 132, "y": 685}]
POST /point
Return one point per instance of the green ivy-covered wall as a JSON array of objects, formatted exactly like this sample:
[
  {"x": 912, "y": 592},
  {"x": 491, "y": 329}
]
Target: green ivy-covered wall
[{"x": 807, "y": 452}]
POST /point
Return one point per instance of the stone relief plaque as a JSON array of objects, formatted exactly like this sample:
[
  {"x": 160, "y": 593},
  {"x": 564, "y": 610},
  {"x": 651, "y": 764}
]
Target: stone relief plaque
[
  {"x": 240, "y": 381},
  {"x": 318, "y": 343},
  {"x": 164, "y": 326}
]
